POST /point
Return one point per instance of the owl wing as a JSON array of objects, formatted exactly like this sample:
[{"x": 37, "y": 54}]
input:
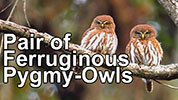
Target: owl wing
[
  {"x": 114, "y": 43},
  {"x": 155, "y": 51},
  {"x": 127, "y": 49},
  {"x": 86, "y": 32},
  {"x": 99, "y": 41},
  {"x": 131, "y": 51},
  {"x": 86, "y": 37}
]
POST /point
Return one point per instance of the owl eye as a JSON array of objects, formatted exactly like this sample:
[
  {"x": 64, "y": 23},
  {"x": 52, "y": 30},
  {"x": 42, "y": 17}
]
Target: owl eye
[
  {"x": 106, "y": 23},
  {"x": 147, "y": 32},
  {"x": 137, "y": 32},
  {"x": 98, "y": 22}
]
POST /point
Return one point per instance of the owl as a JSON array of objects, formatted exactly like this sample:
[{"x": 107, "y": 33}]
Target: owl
[
  {"x": 101, "y": 36},
  {"x": 144, "y": 49}
]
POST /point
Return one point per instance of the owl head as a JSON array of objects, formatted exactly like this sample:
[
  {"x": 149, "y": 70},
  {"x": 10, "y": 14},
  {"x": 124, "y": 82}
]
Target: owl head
[
  {"x": 103, "y": 22},
  {"x": 142, "y": 31}
]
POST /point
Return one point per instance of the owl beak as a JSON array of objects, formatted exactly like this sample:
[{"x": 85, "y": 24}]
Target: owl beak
[
  {"x": 102, "y": 25},
  {"x": 143, "y": 36}
]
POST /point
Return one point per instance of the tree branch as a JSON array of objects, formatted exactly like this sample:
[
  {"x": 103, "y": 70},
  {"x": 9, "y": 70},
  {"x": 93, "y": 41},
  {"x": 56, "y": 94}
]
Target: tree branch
[
  {"x": 162, "y": 72},
  {"x": 171, "y": 6},
  {"x": 19, "y": 30}
]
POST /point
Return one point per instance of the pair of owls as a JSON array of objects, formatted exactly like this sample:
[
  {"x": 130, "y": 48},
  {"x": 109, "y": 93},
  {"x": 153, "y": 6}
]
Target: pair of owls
[{"x": 143, "y": 48}]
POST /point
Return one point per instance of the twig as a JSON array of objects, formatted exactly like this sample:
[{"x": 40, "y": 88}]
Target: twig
[
  {"x": 167, "y": 85},
  {"x": 7, "y": 6},
  {"x": 10, "y": 15},
  {"x": 25, "y": 13}
]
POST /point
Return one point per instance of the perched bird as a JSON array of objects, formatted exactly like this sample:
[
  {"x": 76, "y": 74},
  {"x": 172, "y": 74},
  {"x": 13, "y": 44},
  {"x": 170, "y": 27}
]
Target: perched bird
[
  {"x": 101, "y": 36},
  {"x": 144, "y": 49}
]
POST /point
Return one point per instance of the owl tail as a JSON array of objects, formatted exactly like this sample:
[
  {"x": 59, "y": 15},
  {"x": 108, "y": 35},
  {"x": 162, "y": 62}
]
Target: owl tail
[{"x": 149, "y": 85}]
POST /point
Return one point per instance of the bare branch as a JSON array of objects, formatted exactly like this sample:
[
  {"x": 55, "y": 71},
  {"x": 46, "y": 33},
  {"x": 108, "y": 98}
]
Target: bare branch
[
  {"x": 20, "y": 30},
  {"x": 171, "y": 6},
  {"x": 25, "y": 12},
  {"x": 167, "y": 85},
  {"x": 7, "y": 6},
  {"x": 162, "y": 72},
  {"x": 12, "y": 11}
]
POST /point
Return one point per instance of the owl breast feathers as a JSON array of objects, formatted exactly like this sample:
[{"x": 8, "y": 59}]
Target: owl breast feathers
[
  {"x": 147, "y": 52},
  {"x": 100, "y": 42}
]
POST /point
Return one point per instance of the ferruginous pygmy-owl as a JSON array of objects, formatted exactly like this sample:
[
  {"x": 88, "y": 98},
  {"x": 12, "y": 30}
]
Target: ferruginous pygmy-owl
[
  {"x": 143, "y": 48},
  {"x": 101, "y": 36}
]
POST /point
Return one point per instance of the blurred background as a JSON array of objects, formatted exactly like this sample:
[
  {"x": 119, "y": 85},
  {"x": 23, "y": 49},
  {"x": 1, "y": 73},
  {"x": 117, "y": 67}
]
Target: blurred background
[{"x": 60, "y": 16}]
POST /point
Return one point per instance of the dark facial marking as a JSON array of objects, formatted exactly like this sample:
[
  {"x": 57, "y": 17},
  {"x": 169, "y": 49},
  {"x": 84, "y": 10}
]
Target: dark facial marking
[
  {"x": 98, "y": 22},
  {"x": 138, "y": 32}
]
